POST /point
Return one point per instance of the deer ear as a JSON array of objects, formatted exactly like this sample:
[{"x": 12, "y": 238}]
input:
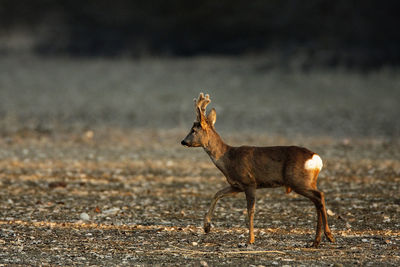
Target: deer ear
[{"x": 212, "y": 117}]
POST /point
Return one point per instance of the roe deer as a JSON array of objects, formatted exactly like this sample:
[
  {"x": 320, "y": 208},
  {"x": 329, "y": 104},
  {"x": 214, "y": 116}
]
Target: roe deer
[{"x": 248, "y": 168}]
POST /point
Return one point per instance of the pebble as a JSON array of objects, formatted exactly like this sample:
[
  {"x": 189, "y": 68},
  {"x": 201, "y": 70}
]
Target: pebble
[
  {"x": 84, "y": 216},
  {"x": 242, "y": 245},
  {"x": 330, "y": 213},
  {"x": 89, "y": 134},
  {"x": 111, "y": 211}
]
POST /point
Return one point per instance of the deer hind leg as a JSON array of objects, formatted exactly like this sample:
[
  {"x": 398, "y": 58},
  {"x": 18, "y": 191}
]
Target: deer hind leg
[
  {"x": 227, "y": 191},
  {"x": 251, "y": 201},
  {"x": 317, "y": 240},
  {"x": 327, "y": 230},
  {"x": 317, "y": 197}
]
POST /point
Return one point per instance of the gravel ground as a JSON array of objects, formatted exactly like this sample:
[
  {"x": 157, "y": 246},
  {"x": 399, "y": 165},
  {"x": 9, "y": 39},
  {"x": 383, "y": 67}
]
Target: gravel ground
[
  {"x": 135, "y": 197},
  {"x": 92, "y": 172}
]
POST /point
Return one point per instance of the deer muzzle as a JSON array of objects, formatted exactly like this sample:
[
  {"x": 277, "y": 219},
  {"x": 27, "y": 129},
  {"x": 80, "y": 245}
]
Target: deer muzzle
[{"x": 184, "y": 143}]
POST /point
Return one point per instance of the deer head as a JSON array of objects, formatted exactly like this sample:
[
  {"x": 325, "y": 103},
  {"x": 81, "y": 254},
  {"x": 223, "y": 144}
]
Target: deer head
[{"x": 203, "y": 126}]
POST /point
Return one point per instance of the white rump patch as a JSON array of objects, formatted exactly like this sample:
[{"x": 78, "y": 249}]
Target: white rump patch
[{"x": 314, "y": 163}]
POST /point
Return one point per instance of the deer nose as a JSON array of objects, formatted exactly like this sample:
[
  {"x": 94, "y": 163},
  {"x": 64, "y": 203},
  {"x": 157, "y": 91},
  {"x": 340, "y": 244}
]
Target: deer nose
[{"x": 184, "y": 143}]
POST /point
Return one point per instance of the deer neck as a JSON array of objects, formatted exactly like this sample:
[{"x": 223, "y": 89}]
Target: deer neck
[{"x": 215, "y": 147}]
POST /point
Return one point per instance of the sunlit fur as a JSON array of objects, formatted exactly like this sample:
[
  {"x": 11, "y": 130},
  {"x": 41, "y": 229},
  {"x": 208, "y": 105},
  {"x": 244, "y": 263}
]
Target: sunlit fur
[{"x": 314, "y": 163}]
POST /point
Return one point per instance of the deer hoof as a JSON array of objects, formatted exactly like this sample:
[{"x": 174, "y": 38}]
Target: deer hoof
[
  {"x": 330, "y": 237},
  {"x": 207, "y": 227},
  {"x": 315, "y": 244}
]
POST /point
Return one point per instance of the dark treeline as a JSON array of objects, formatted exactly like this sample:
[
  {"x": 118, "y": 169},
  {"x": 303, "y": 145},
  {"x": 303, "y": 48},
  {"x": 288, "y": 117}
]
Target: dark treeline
[{"x": 350, "y": 33}]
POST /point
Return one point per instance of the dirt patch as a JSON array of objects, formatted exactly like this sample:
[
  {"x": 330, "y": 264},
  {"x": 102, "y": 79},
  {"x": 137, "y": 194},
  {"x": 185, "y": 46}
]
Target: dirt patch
[{"x": 144, "y": 197}]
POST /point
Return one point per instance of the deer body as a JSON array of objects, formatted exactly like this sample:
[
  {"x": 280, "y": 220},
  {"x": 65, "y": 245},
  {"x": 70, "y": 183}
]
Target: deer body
[
  {"x": 264, "y": 167},
  {"x": 248, "y": 168}
]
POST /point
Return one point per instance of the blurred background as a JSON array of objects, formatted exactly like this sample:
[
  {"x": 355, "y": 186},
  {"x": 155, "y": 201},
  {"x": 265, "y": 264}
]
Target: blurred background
[
  {"x": 96, "y": 95},
  {"x": 286, "y": 67}
]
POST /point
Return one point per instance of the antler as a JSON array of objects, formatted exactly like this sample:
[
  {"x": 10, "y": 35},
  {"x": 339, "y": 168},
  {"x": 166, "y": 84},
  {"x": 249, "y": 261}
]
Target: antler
[{"x": 200, "y": 105}]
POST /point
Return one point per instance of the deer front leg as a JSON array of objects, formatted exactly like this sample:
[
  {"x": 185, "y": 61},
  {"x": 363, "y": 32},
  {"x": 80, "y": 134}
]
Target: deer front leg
[
  {"x": 251, "y": 202},
  {"x": 227, "y": 191}
]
